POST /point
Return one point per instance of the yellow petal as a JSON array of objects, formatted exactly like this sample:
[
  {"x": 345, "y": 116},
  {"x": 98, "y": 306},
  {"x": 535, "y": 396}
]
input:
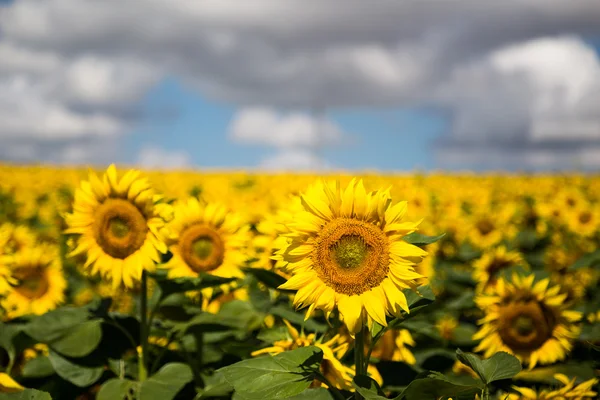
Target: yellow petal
[{"x": 350, "y": 308}]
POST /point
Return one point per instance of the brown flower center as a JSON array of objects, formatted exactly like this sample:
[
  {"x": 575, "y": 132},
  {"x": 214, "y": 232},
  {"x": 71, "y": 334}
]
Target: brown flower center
[
  {"x": 202, "y": 248},
  {"x": 120, "y": 228},
  {"x": 485, "y": 227},
  {"x": 526, "y": 326},
  {"x": 32, "y": 282},
  {"x": 351, "y": 256},
  {"x": 585, "y": 217}
]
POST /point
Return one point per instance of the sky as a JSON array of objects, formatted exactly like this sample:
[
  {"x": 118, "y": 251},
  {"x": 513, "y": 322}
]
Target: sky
[{"x": 302, "y": 84}]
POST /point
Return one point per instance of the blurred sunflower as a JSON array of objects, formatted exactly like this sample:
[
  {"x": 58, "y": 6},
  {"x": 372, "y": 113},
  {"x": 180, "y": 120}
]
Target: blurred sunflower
[
  {"x": 528, "y": 320},
  {"x": 207, "y": 239},
  {"x": 346, "y": 250},
  {"x": 8, "y": 384},
  {"x": 584, "y": 220},
  {"x": 120, "y": 226},
  {"x": 493, "y": 261},
  {"x": 486, "y": 230},
  {"x": 446, "y": 326},
  {"x": 40, "y": 284},
  {"x": 569, "y": 391},
  {"x": 334, "y": 349},
  {"x": 394, "y": 346},
  {"x": 14, "y": 238}
]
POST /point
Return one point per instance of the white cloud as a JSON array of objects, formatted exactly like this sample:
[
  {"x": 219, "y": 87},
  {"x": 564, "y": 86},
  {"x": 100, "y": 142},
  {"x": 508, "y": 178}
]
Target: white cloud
[
  {"x": 266, "y": 127},
  {"x": 154, "y": 157},
  {"x": 295, "y": 159},
  {"x": 504, "y": 71}
]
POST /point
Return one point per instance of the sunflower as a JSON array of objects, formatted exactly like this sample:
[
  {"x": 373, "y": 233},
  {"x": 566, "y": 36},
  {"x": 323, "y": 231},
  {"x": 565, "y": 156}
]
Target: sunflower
[
  {"x": 446, "y": 326},
  {"x": 569, "y": 391},
  {"x": 334, "y": 349},
  {"x": 120, "y": 226},
  {"x": 528, "y": 320},
  {"x": 14, "y": 238},
  {"x": 207, "y": 239},
  {"x": 491, "y": 263},
  {"x": 394, "y": 346},
  {"x": 584, "y": 220},
  {"x": 346, "y": 250},
  {"x": 40, "y": 284}
]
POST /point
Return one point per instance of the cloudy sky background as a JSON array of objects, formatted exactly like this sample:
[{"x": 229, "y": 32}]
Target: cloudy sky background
[{"x": 302, "y": 84}]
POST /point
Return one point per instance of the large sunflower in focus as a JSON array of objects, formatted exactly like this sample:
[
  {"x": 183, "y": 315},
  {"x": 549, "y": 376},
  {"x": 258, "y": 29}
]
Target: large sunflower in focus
[
  {"x": 346, "y": 250},
  {"x": 39, "y": 284},
  {"x": 528, "y": 320},
  {"x": 120, "y": 224},
  {"x": 207, "y": 238}
]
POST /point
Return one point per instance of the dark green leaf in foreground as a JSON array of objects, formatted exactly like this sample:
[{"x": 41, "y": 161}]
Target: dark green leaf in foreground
[
  {"x": 166, "y": 383},
  {"x": 81, "y": 340},
  {"x": 421, "y": 240},
  {"x": 79, "y": 375},
  {"x": 27, "y": 394},
  {"x": 313, "y": 394},
  {"x": 298, "y": 319},
  {"x": 432, "y": 385},
  {"x": 368, "y": 388},
  {"x": 500, "y": 366},
  {"x": 55, "y": 324},
  {"x": 269, "y": 278},
  {"x": 274, "y": 377},
  {"x": 38, "y": 367}
]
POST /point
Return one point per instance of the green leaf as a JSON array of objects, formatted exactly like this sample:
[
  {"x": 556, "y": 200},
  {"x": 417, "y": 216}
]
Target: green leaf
[
  {"x": 166, "y": 383},
  {"x": 271, "y": 335},
  {"x": 269, "y": 278},
  {"x": 78, "y": 375},
  {"x": 216, "y": 386},
  {"x": 79, "y": 341},
  {"x": 500, "y": 366},
  {"x": 9, "y": 338},
  {"x": 205, "y": 322},
  {"x": 581, "y": 370},
  {"x": 274, "y": 377},
  {"x": 590, "y": 260},
  {"x": 376, "y": 328},
  {"x": 432, "y": 385},
  {"x": 118, "y": 389},
  {"x": 168, "y": 286},
  {"x": 55, "y": 324},
  {"x": 27, "y": 394},
  {"x": 368, "y": 388},
  {"x": 423, "y": 296},
  {"x": 39, "y": 367},
  {"x": 298, "y": 319},
  {"x": 312, "y": 394},
  {"x": 419, "y": 239}
]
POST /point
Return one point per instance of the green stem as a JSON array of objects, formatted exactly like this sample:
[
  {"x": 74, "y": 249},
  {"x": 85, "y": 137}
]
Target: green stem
[
  {"x": 359, "y": 357},
  {"x": 143, "y": 371}
]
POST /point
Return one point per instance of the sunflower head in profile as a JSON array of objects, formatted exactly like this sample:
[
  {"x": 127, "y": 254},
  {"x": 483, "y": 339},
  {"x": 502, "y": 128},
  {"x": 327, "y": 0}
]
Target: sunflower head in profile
[
  {"x": 119, "y": 226},
  {"x": 492, "y": 262},
  {"x": 338, "y": 374},
  {"x": 38, "y": 281},
  {"x": 528, "y": 320},
  {"x": 207, "y": 238},
  {"x": 346, "y": 250}
]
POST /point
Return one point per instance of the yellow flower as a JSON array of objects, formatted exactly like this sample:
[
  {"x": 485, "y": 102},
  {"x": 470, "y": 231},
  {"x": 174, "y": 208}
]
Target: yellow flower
[
  {"x": 14, "y": 238},
  {"x": 569, "y": 391},
  {"x": 120, "y": 226},
  {"x": 583, "y": 220},
  {"x": 492, "y": 262},
  {"x": 332, "y": 368},
  {"x": 40, "y": 284},
  {"x": 8, "y": 384},
  {"x": 393, "y": 346},
  {"x": 528, "y": 320},
  {"x": 446, "y": 326},
  {"x": 207, "y": 238},
  {"x": 346, "y": 250}
]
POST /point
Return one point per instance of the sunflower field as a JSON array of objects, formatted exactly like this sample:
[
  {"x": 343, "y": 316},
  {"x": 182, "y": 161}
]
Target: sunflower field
[{"x": 122, "y": 284}]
